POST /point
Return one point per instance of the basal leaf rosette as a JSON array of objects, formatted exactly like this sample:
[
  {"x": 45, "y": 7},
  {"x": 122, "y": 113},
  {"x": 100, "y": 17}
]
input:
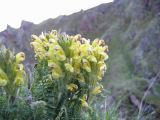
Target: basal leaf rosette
[{"x": 74, "y": 61}]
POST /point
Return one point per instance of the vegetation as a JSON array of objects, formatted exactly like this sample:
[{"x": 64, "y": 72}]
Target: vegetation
[
  {"x": 67, "y": 79},
  {"x": 131, "y": 29}
]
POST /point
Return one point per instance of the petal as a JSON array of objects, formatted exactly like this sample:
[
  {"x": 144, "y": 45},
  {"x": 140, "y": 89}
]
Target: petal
[
  {"x": 3, "y": 82},
  {"x": 20, "y": 57},
  {"x": 69, "y": 67}
]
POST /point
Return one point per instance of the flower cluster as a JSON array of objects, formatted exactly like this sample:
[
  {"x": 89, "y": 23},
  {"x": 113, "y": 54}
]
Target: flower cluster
[
  {"x": 72, "y": 59},
  {"x": 20, "y": 73},
  {"x": 11, "y": 70}
]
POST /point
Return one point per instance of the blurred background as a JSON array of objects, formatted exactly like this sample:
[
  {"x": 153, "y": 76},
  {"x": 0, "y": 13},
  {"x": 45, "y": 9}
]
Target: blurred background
[{"x": 131, "y": 29}]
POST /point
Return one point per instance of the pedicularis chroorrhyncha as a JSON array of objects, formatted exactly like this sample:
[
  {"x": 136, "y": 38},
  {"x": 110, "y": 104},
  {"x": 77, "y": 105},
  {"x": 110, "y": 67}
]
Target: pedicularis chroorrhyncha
[
  {"x": 71, "y": 68},
  {"x": 12, "y": 73}
]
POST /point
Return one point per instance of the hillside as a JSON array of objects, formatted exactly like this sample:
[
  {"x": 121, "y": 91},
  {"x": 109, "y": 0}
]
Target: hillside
[{"x": 131, "y": 29}]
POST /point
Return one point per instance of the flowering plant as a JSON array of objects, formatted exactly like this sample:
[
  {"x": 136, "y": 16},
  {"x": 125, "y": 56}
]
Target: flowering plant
[
  {"x": 75, "y": 67},
  {"x": 12, "y": 73}
]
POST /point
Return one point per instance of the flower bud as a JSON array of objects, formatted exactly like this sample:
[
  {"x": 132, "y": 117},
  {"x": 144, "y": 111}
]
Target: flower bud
[{"x": 20, "y": 57}]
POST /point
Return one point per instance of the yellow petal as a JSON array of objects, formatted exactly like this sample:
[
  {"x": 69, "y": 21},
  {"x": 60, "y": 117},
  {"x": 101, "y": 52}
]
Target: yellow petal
[
  {"x": 77, "y": 68},
  {"x": 83, "y": 101},
  {"x": 3, "y": 82},
  {"x": 85, "y": 50},
  {"x": 102, "y": 66},
  {"x": 81, "y": 78},
  {"x": 35, "y": 37},
  {"x": 18, "y": 81},
  {"x": 97, "y": 90},
  {"x": 20, "y": 57},
  {"x": 92, "y": 58},
  {"x": 103, "y": 55},
  {"x": 51, "y": 64},
  {"x": 69, "y": 67},
  {"x": 77, "y": 37},
  {"x": 84, "y": 97},
  {"x": 61, "y": 56},
  {"x": 105, "y": 48},
  {"x": 56, "y": 75},
  {"x": 56, "y": 70},
  {"x": 86, "y": 65},
  {"x": 95, "y": 42},
  {"x": 3, "y": 75},
  {"x": 20, "y": 67},
  {"x": 72, "y": 87}
]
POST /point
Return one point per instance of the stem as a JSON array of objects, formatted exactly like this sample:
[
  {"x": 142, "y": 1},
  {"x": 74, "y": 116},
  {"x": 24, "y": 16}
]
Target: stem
[
  {"x": 145, "y": 94},
  {"x": 8, "y": 101},
  {"x": 60, "y": 104}
]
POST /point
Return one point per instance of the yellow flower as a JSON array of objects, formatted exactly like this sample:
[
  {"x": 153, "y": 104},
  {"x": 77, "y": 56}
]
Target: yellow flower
[
  {"x": 99, "y": 76},
  {"x": 3, "y": 78},
  {"x": 103, "y": 55},
  {"x": 61, "y": 55},
  {"x": 39, "y": 48},
  {"x": 101, "y": 42},
  {"x": 69, "y": 67},
  {"x": 55, "y": 52},
  {"x": 42, "y": 37},
  {"x": 97, "y": 90},
  {"x": 75, "y": 55},
  {"x": 3, "y": 82},
  {"x": 101, "y": 69},
  {"x": 51, "y": 63},
  {"x": 56, "y": 74},
  {"x": 80, "y": 77},
  {"x": 105, "y": 48},
  {"x": 35, "y": 45},
  {"x": 85, "y": 41},
  {"x": 76, "y": 64},
  {"x": 92, "y": 58},
  {"x": 37, "y": 39},
  {"x": 50, "y": 53},
  {"x": 20, "y": 67},
  {"x": 54, "y": 32},
  {"x": 99, "y": 53},
  {"x": 74, "y": 49},
  {"x": 72, "y": 87},
  {"x": 20, "y": 57},
  {"x": 86, "y": 65},
  {"x": 56, "y": 69},
  {"x": 19, "y": 80},
  {"x": 77, "y": 37},
  {"x": 98, "y": 42},
  {"x": 83, "y": 101},
  {"x": 84, "y": 97},
  {"x": 102, "y": 66},
  {"x": 95, "y": 42},
  {"x": 53, "y": 41},
  {"x": 85, "y": 50}
]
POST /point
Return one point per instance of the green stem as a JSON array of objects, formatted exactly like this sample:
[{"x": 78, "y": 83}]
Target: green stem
[{"x": 8, "y": 101}]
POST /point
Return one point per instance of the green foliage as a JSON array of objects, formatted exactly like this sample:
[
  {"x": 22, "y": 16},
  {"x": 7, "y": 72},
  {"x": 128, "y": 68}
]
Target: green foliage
[{"x": 113, "y": 113}]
